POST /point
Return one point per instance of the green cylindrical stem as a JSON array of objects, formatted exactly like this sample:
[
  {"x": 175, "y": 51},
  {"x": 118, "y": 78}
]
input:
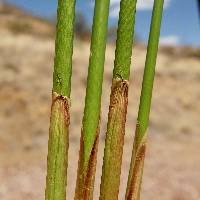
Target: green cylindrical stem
[
  {"x": 139, "y": 147},
  {"x": 90, "y": 129},
  {"x": 118, "y": 103},
  {"x": 59, "y": 124},
  {"x": 64, "y": 47},
  {"x": 149, "y": 72},
  {"x": 124, "y": 42}
]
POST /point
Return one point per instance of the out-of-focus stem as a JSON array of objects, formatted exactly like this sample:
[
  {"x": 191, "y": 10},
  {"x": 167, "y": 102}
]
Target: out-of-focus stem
[
  {"x": 90, "y": 129},
  {"x": 118, "y": 103},
  {"x": 139, "y": 146},
  {"x": 59, "y": 123}
]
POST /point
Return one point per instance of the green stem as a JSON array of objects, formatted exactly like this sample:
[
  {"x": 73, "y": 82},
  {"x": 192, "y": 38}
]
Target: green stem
[
  {"x": 118, "y": 103},
  {"x": 64, "y": 47},
  {"x": 90, "y": 129},
  {"x": 59, "y": 123},
  {"x": 139, "y": 147}
]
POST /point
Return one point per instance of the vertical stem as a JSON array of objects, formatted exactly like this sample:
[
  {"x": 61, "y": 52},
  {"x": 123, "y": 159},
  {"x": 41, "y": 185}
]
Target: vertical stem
[
  {"x": 90, "y": 128},
  {"x": 118, "y": 103},
  {"x": 139, "y": 146},
  {"x": 58, "y": 133},
  {"x": 64, "y": 47}
]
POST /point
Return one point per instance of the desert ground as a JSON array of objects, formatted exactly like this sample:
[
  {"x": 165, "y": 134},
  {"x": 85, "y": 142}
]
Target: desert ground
[{"x": 172, "y": 166}]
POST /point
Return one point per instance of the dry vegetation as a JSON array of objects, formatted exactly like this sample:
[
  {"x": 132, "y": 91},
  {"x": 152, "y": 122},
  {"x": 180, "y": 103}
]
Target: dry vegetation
[{"x": 26, "y": 63}]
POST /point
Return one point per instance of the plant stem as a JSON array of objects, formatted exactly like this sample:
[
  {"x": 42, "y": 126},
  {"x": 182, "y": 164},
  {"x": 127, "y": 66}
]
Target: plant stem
[
  {"x": 58, "y": 133},
  {"x": 118, "y": 103},
  {"x": 139, "y": 146},
  {"x": 90, "y": 129},
  {"x": 64, "y": 47}
]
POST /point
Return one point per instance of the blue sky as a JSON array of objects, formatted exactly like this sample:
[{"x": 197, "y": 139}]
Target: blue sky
[{"x": 181, "y": 25}]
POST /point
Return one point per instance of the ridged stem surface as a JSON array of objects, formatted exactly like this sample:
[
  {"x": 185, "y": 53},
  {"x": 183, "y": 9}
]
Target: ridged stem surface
[
  {"x": 57, "y": 160},
  {"x": 113, "y": 151}
]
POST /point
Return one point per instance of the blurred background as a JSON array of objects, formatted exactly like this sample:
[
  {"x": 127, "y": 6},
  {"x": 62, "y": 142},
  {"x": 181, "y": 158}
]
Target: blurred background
[{"x": 27, "y": 33}]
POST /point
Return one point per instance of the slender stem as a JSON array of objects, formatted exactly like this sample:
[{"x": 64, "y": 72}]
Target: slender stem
[
  {"x": 90, "y": 129},
  {"x": 125, "y": 38},
  {"x": 64, "y": 47},
  {"x": 59, "y": 123},
  {"x": 118, "y": 102},
  {"x": 139, "y": 147}
]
